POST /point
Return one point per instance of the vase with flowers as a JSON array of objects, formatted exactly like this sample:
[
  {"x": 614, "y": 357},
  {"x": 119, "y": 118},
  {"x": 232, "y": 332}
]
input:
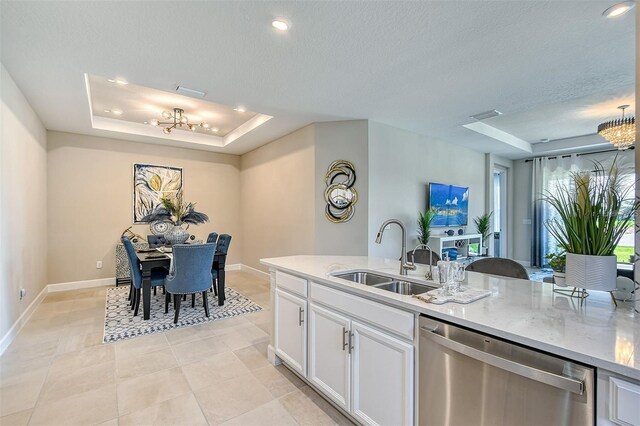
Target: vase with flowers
[{"x": 177, "y": 212}]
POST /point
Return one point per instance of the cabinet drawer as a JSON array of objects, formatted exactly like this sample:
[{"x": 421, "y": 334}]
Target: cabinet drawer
[
  {"x": 624, "y": 398},
  {"x": 291, "y": 283},
  {"x": 388, "y": 318}
]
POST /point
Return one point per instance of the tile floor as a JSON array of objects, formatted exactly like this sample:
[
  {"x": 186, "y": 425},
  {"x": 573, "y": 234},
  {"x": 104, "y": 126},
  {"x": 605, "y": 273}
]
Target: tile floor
[{"x": 57, "y": 371}]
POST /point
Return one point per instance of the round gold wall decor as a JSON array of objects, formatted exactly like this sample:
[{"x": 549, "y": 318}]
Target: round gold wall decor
[{"x": 340, "y": 194}]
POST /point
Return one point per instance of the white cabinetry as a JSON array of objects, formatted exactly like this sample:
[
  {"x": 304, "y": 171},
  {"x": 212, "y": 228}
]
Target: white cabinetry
[
  {"x": 382, "y": 377},
  {"x": 329, "y": 363},
  {"x": 291, "y": 330},
  {"x": 460, "y": 242}
]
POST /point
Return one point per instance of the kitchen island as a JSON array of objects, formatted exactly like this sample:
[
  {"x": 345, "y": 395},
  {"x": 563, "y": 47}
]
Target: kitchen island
[{"x": 524, "y": 312}]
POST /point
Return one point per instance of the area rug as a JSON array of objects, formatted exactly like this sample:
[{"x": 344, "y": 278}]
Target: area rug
[{"x": 120, "y": 324}]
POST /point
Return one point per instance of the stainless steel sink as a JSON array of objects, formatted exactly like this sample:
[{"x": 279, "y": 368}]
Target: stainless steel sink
[
  {"x": 404, "y": 287},
  {"x": 384, "y": 283},
  {"x": 366, "y": 278}
]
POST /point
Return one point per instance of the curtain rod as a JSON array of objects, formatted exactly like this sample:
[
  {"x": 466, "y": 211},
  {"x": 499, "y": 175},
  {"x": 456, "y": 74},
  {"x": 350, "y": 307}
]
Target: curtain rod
[{"x": 579, "y": 154}]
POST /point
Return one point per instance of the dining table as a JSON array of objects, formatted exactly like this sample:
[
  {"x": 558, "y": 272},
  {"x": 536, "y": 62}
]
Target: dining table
[{"x": 157, "y": 258}]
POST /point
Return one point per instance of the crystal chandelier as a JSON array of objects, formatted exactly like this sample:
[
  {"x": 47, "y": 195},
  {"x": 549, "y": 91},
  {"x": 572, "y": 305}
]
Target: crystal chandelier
[
  {"x": 177, "y": 120},
  {"x": 621, "y": 132}
]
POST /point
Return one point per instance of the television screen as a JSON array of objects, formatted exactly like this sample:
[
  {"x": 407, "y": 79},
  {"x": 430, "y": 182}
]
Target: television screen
[{"x": 451, "y": 204}]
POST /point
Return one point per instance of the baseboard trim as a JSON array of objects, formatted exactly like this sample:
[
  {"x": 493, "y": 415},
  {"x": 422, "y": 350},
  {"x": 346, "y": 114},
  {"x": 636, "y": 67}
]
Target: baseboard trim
[
  {"x": 22, "y": 319},
  {"x": 76, "y": 285},
  {"x": 233, "y": 267},
  {"x": 254, "y": 271}
]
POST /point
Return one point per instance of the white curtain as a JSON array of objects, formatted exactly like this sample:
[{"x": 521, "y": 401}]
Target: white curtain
[{"x": 550, "y": 173}]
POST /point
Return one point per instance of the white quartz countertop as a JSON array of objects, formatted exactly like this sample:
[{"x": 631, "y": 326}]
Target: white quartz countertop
[{"x": 525, "y": 312}]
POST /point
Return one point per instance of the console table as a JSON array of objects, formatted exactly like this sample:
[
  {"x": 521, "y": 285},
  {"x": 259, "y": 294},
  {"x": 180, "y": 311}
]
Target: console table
[{"x": 460, "y": 242}]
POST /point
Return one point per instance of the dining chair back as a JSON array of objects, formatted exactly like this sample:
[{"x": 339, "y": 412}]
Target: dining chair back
[
  {"x": 134, "y": 263},
  {"x": 224, "y": 240},
  {"x": 423, "y": 256},
  {"x": 191, "y": 274},
  {"x": 212, "y": 238},
  {"x": 157, "y": 275},
  {"x": 156, "y": 241},
  {"x": 499, "y": 266}
]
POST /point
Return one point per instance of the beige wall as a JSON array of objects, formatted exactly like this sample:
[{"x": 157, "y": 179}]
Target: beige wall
[
  {"x": 277, "y": 190},
  {"x": 401, "y": 165},
  {"x": 90, "y": 199},
  {"x": 23, "y": 203},
  {"x": 342, "y": 140}
]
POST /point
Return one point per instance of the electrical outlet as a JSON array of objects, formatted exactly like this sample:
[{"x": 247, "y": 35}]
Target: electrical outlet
[
  {"x": 99, "y": 264},
  {"x": 23, "y": 293}
]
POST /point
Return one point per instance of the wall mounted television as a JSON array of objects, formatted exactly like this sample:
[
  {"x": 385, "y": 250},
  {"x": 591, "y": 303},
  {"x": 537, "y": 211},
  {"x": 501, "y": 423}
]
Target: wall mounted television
[{"x": 451, "y": 204}]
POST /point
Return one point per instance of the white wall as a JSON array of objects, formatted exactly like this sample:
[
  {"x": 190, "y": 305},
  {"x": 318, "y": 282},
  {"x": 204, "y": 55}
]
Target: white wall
[
  {"x": 401, "y": 165},
  {"x": 23, "y": 203},
  {"x": 342, "y": 140},
  {"x": 492, "y": 162}
]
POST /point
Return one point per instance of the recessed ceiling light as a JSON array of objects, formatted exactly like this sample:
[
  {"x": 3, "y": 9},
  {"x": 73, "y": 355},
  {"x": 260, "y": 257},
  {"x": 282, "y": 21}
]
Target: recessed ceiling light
[
  {"x": 239, "y": 109},
  {"x": 215, "y": 129},
  {"x": 281, "y": 24},
  {"x": 618, "y": 9},
  {"x": 107, "y": 110},
  {"x": 544, "y": 140},
  {"x": 117, "y": 112}
]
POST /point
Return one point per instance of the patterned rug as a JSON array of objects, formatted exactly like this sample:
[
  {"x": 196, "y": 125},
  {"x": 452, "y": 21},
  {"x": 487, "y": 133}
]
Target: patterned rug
[{"x": 120, "y": 324}]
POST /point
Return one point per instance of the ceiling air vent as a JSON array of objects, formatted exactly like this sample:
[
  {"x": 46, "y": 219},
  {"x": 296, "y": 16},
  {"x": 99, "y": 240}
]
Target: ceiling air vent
[
  {"x": 190, "y": 92},
  {"x": 487, "y": 114}
]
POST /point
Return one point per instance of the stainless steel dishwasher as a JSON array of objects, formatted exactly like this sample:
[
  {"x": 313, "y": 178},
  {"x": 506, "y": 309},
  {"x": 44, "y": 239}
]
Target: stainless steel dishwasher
[{"x": 468, "y": 378}]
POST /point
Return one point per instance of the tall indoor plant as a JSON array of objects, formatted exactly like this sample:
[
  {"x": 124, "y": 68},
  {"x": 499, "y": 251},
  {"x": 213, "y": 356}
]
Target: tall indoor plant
[
  {"x": 176, "y": 211},
  {"x": 483, "y": 226},
  {"x": 424, "y": 225},
  {"x": 594, "y": 211}
]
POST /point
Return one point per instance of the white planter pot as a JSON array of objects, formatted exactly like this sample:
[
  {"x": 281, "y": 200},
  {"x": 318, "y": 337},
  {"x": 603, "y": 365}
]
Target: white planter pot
[
  {"x": 559, "y": 279},
  {"x": 591, "y": 272}
]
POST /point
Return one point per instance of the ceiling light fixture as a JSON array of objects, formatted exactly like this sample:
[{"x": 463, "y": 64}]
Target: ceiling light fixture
[
  {"x": 618, "y": 9},
  {"x": 117, "y": 112},
  {"x": 178, "y": 121},
  {"x": 621, "y": 133},
  {"x": 118, "y": 81},
  {"x": 240, "y": 109},
  {"x": 281, "y": 24}
]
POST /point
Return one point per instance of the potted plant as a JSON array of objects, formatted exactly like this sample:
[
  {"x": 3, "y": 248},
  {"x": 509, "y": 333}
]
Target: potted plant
[
  {"x": 558, "y": 262},
  {"x": 176, "y": 211},
  {"x": 424, "y": 225},
  {"x": 594, "y": 211},
  {"x": 483, "y": 226}
]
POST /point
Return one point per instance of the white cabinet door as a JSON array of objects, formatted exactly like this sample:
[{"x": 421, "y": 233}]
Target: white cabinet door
[
  {"x": 382, "y": 377},
  {"x": 329, "y": 354},
  {"x": 291, "y": 330}
]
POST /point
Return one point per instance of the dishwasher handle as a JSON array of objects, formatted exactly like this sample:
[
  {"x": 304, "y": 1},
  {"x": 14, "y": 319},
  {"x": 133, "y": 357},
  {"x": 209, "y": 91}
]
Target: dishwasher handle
[{"x": 552, "y": 379}]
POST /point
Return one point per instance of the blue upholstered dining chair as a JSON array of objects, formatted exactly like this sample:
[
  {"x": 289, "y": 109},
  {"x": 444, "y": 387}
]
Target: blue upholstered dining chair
[
  {"x": 156, "y": 241},
  {"x": 157, "y": 275},
  {"x": 191, "y": 274},
  {"x": 212, "y": 238},
  {"x": 224, "y": 240}
]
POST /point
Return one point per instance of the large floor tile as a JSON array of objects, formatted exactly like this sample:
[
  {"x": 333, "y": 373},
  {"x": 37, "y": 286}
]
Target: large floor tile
[
  {"x": 84, "y": 358},
  {"x": 183, "y": 410},
  {"x": 91, "y": 407},
  {"x": 278, "y": 380},
  {"x": 198, "y": 350},
  {"x": 72, "y": 343},
  {"x": 269, "y": 414},
  {"x": 214, "y": 369},
  {"x": 242, "y": 336},
  {"x": 16, "y": 419},
  {"x": 254, "y": 357},
  {"x": 77, "y": 381},
  {"x": 140, "y": 345},
  {"x": 308, "y": 408},
  {"x": 139, "y": 365},
  {"x": 188, "y": 334},
  {"x": 225, "y": 400},
  {"x": 143, "y": 391},
  {"x": 19, "y": 397}
]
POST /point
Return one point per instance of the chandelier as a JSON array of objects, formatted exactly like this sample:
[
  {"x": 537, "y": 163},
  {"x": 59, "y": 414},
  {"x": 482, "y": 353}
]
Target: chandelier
[
  {"x": 621, "y": 132},
  {"x": 176, "y": 120}
]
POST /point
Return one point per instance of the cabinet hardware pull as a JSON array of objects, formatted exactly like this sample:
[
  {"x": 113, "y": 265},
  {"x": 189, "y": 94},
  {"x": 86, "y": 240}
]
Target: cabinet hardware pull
[
  {"x": 300, "y": 316},
  {"x": 350, "y": 342},
  {"x": 344, "y": 338}
]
